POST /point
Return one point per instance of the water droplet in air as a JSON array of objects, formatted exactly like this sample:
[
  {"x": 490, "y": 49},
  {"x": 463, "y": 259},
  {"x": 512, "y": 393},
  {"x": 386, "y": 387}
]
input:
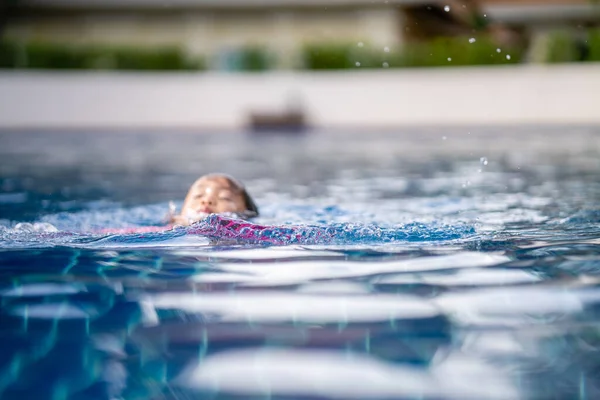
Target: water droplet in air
[
  {"x": 360, "y": 44},
  {"x": 483, "y": 161},
  {"x": 386, "y": 49},
  {"x": 358, "y": 64},
  {"x": 447, "y": 8},
  {"x": 472, "y": 40},
  {"x": 449, "y": 58},
  {"x": 508, "y": 56},
  {"x": 498, "y": 50},
  {"x": 385, "y": 65},
  {"x": 484, "y": 15}
]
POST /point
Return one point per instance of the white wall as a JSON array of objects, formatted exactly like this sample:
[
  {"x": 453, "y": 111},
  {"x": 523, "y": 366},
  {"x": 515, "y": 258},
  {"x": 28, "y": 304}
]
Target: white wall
[{"x": 568, "y": 94}]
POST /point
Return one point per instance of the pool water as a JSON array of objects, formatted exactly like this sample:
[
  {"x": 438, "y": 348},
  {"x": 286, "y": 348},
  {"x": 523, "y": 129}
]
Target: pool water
[{"x": 458, "y": 263}]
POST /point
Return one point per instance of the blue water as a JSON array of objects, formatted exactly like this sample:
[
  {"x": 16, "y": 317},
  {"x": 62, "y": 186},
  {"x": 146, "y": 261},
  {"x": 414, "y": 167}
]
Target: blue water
[{"x": 463, "y": 263}]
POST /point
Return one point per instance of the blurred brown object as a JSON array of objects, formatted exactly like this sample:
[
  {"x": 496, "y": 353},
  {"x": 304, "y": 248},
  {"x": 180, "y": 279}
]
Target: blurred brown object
[
  {"x": 448, "y": 18},
  {"x": 456, "y": 18},
  {"x": 291, "y": 119},
  {"x": 506, "y": 36}
]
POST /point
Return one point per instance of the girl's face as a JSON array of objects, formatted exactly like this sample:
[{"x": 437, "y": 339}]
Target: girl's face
[{"x": 212, "y": 195}]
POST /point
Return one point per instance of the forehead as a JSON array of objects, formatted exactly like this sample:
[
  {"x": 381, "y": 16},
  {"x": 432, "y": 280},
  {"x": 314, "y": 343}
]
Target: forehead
[{"x": 216, "y": 182}]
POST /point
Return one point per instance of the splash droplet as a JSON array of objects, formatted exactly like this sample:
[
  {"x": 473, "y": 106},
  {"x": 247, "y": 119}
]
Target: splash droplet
[
  {"x": 483, "y": 161},
  {"x": 498, "y": 50},
  {"x": 447, "y": 8},
  {"x": 358, "y": 64},
  {"x": 360, "y": 44},
  {"x": 386, "y": 49},
  {"x": 449, "y": 58},
  {"x": 385, "y": 65},
  {"x": 508, "y": 56},
  {"x": 472, "y": 40}
]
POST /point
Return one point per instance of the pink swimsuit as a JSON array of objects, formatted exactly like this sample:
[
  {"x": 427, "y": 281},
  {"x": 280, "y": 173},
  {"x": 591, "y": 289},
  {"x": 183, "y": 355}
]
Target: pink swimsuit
[{"x": 220, "y": 227}]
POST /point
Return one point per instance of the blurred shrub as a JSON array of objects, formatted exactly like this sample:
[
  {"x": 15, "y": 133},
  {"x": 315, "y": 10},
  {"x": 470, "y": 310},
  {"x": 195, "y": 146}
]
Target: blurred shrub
[
  {"x": 438, "y": 52},
  {"x": 37, "y": 55},
  {"x": 458, "y": 51},
  {"x": 567, "y": 46},
  {"x": 327, "y": 56},
  {"x": 594, "y": 45},
  {"x": 562, "y": 48},
  {"x": 254, "y": 59},
  {"x": 344, "y": 56}
]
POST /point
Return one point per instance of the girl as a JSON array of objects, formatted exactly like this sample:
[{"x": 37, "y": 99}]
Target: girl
[{"x": 215, "y": 194}]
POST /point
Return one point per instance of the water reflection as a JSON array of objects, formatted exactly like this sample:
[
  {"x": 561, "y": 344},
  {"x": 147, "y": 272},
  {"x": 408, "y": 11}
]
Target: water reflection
[{"x": 162, "y": 330}]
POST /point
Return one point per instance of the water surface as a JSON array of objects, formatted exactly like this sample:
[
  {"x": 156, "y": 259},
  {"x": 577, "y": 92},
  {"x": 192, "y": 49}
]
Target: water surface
[{"x": 465, "y": 266}]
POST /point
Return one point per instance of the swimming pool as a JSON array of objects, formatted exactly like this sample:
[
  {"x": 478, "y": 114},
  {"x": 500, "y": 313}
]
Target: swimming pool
[{"x": 464, "y": 263}]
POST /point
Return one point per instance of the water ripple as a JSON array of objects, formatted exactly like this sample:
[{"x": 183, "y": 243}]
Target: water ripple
[{"x": 411, "y": 271}]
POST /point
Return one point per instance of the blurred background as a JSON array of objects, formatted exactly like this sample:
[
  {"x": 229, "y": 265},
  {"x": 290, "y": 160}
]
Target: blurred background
[{"x": 236, "y": 64}]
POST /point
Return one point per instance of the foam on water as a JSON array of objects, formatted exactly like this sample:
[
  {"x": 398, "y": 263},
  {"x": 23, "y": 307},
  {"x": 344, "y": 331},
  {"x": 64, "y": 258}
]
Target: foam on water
[{"x": 90, "y": 228}]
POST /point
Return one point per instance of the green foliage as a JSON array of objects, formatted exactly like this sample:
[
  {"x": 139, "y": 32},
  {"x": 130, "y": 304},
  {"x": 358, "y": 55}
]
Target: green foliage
[
  {"x": 13, "y": 55},
  {"x": 562, "y": 48},
  {"x": 594, "y": 45},
  {"x": 38, "y": 55},
  {"x": 321, "y": 57},
  {"x": 567, "y": 46},
  {"x": 458, "y": 52},
  {"x": 254, "y": 59},
  {"x": 343, "y": 56},
  {"x": 438, "y": 52}
]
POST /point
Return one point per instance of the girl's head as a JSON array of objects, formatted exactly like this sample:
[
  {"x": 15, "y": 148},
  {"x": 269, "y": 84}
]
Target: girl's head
[{"x": 217, "y": 194}]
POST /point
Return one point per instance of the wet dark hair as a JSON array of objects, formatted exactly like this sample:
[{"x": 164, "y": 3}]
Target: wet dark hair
[{"x": 251, "y": 208}]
